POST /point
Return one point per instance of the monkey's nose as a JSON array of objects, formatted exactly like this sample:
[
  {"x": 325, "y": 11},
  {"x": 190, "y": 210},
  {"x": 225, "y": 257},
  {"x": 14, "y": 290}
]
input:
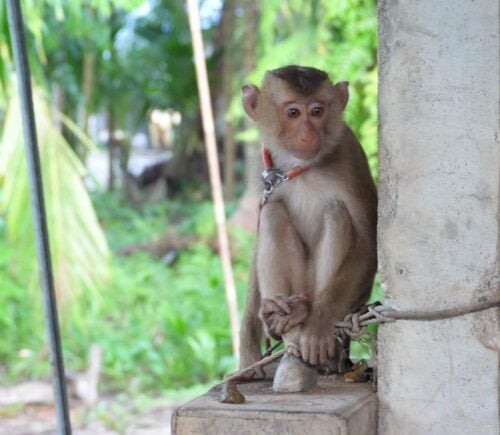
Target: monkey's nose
[{"x": 309, "y": 141}]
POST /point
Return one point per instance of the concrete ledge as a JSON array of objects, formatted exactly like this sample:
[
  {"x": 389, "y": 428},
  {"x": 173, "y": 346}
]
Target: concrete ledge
[{"x": 333, "y": 407}]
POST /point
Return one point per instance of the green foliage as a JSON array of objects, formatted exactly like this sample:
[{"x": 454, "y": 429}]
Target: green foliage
[
  {"x": 159, "y": 327},
  {"x": 57, "y": 34},
  {"x": 21, "y": 320},
  {"x": 365, "y": 348},
  {"x": 80, "y": 253}
]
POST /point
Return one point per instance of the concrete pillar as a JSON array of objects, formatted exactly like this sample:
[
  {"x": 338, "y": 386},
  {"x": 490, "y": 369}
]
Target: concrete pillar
[{"x": 439, "y": 205}]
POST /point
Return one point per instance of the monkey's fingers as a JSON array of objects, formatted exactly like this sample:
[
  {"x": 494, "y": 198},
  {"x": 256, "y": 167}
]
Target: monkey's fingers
[
  {"x": 304, "y": 349},
  {"x": 313, "y": 351},
  {"x": 292, "y": 323},
  {"x": 283, "y": 325},
  {"x": 298, "y": 299},
  {"x": 271, "y": 310},
  {"x": 279, "y": 328},
  {"x": 323, "y": 351},
  {"x": 288, "y": 325},
  {"x": 330, "y": 348},
  {"x": 272, "y": 322},
  {"x": 276, "y": 304},
  {"x": 295, "y": 319},
  {"x": 283, "y": 303}
]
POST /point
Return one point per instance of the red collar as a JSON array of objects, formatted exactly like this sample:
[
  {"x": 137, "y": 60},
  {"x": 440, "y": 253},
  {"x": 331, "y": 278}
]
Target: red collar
[
  {"x": 273, "y": 177},
  {"x": 267, "y": 159}
]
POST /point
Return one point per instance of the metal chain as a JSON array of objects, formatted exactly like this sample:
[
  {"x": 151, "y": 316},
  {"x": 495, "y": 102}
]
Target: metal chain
[{"x": 271, "y": 178}]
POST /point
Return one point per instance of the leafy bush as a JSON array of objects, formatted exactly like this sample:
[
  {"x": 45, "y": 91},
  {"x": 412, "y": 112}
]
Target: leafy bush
[{"x": 159, "y": 327}]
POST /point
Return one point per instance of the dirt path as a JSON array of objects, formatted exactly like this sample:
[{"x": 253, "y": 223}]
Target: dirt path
[{"x": 40, "y": 420}]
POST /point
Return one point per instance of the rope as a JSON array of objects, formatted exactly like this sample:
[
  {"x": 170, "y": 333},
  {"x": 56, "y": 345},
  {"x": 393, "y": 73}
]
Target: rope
[
  {"x": 353, "y": 326},
  {"x": 230, "y": 393}
]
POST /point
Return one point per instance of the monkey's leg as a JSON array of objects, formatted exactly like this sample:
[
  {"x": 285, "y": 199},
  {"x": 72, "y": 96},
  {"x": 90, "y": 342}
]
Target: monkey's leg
[
  {"x": 281, "y": 265},
  {"x": 335, "y": 284}
]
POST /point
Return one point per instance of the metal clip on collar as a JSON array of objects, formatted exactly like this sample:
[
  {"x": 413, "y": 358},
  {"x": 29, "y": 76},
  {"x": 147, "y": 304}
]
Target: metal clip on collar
[{"x": 271, "y": 179}]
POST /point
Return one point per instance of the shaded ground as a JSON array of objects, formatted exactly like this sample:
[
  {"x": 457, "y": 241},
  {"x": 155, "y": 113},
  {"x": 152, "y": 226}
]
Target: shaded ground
[
  {"x": 27, "y": 408},
  {"x": 40, "y": 419}
]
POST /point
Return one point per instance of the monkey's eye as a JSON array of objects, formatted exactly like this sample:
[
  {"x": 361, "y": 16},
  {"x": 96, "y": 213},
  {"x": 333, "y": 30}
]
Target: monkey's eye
[
  {"x": 292, "y": 112},
  {"x": 317, "y": 111}
]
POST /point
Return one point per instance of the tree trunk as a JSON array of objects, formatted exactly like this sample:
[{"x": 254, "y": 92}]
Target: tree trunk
[
  {"x": 247, "y": 212},
  {"x": 228, "y": 28},
  {"x": 124, "y": 147},
  {"x": 88, "y": 88},
  {"x": 111, "y": 150},
  {"x": 229, "y": 159}
]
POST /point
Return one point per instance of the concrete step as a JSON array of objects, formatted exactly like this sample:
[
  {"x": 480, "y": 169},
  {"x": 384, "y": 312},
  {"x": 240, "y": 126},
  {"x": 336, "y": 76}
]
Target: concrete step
[{"x": 332, "y": 407}]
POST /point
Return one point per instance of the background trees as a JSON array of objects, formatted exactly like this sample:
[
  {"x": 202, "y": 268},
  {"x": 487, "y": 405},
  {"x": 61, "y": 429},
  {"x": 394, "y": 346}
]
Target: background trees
[{"x": 160, "y": 308}]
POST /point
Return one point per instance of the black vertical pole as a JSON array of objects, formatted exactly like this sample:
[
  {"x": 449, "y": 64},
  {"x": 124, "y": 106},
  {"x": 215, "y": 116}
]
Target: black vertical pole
[{"x": 39, "y": 216}]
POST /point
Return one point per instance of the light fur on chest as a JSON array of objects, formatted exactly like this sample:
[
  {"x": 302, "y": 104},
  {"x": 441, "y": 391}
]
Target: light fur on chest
[{"x": 306, "y": 199}]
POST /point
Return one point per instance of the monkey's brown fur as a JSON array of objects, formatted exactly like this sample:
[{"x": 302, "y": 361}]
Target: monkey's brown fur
[
  {"x": 315, "y": 258},
  {"x": 304, "y": 80}
]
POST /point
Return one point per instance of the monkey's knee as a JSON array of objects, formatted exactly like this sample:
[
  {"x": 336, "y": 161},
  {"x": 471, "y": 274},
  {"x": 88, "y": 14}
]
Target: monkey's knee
[
  {"x": 274, "y": 218},
  {"x": 278, "y": 233},
  {"x": 337, "y": 209},
  {"x": 337, "y": 214}
]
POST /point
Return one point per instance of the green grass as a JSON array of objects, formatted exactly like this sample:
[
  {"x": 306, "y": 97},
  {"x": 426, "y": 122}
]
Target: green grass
[{"x": 159, "y": 327}]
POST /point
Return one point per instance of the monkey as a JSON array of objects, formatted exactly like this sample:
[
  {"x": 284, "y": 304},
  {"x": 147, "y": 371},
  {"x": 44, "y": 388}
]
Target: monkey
[{"x": 316, "y": 255}]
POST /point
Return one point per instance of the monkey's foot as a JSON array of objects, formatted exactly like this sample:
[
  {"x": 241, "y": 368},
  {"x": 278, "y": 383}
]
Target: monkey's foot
[{"x": 294, "y": 376}]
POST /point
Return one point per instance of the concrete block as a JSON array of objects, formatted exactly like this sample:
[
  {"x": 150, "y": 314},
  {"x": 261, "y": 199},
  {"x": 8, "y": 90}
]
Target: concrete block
[{"x": 333, "y": 407}]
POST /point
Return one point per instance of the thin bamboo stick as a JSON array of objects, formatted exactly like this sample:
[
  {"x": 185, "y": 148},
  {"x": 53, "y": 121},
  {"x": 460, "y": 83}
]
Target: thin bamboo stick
[{"x": 213, "y": 166}]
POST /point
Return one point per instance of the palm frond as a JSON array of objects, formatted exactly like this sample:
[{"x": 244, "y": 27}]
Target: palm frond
[{"x": 80, "y": 251}]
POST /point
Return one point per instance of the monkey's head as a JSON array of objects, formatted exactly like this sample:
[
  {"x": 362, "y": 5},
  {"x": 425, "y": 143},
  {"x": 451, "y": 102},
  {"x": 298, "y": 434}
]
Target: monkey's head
[{"x": 298, "y": 111}]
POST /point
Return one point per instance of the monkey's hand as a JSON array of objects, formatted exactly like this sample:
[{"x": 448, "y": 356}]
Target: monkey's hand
[
  {"x": 280, "y": 314},
  {"x": 316, "y": 342}
]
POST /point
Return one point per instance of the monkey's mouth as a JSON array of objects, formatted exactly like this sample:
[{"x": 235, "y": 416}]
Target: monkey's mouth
[{"x": 305, "y": 153}]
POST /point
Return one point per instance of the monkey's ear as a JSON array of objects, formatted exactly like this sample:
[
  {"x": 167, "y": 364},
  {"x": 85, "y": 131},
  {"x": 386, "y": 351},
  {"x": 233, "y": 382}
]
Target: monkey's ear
[
  {"x": 250, "y": 95},
  {"x": 342, "y": 93}
]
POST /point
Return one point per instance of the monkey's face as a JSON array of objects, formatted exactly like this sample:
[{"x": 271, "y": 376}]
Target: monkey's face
[
  {"x": 301, "y": 124},
  {"x": 299, "y": 120}
]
